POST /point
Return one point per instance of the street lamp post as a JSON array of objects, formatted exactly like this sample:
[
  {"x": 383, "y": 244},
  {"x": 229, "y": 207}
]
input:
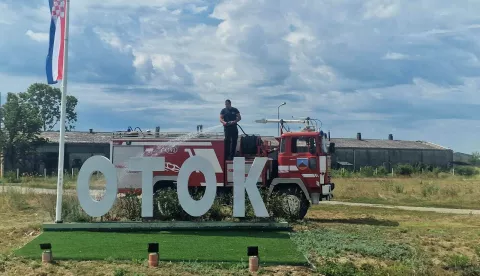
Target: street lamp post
[{"x": 278, "y": 116}]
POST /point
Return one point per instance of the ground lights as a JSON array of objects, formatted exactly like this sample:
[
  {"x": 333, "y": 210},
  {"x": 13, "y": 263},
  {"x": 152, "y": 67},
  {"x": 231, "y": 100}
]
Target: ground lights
[
  {"x": 153, "y": 255},
  {"x": 252, "y": 253},
  {"x": 47, "y": 252}
]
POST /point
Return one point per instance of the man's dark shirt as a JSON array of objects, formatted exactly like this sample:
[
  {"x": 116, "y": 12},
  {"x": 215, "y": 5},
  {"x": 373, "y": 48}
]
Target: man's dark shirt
[{"x": 229, "y": 115}]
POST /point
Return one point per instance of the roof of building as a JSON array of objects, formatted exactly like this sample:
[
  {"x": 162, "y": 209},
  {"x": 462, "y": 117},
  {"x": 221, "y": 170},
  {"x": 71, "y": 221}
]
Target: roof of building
[
  {"x": 385, "y": 144},
  {"x": 78, "y": 137},
  {"x": 85, "y": 137}
]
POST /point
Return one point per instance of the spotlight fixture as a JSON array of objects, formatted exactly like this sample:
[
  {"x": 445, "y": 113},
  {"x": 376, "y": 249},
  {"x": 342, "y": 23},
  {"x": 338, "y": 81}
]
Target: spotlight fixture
[
  {"x": 46, "y": 246},
  {"x": 153, "y": 248}
]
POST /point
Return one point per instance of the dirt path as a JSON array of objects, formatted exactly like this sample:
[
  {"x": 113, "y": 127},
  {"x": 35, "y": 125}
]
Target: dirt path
[
  {"x": 409, "y": 208},
  {"x": 43, "y": 191}
]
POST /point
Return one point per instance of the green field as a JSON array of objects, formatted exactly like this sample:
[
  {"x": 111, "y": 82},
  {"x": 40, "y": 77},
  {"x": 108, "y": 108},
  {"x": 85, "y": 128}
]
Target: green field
[{"x": 202, "y": 246}]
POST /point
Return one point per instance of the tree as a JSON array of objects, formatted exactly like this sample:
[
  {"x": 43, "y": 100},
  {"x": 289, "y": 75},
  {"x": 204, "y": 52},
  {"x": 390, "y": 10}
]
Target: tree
[
  {"x": 475, "y": 159},
  {"x": 47, "y": 100},
  {"x": 20, "y": 131}
]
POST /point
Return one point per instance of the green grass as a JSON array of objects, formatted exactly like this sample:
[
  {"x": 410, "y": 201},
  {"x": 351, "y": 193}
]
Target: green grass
[
  {"x": 449, "y": 192},
  {"x": 226, "y": 246},
  {"x": 367, "y": 241}
]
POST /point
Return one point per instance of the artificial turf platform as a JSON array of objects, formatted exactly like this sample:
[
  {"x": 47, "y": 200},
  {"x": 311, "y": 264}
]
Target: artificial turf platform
[
  {"x": 275, "y": 247},
  {"x": 165, "y": 226}
]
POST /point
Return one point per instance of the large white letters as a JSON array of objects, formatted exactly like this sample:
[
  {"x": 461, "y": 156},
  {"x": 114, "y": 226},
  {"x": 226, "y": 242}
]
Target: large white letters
[
  {"x": 92, "y": 207},
  {"x": 193, "y": 207},
  {"x": 147, "y": 165},
  {"x": 240, "y": 185}
]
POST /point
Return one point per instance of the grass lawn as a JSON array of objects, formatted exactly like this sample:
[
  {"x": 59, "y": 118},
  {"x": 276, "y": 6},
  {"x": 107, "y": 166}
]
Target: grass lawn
[
  {"x": 203, "y": 246},
  {"x": 447, "y": 192}
]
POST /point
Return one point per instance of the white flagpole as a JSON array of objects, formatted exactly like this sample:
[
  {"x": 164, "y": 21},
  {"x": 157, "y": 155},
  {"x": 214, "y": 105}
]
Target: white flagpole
[{"x": 61, "y": 140}]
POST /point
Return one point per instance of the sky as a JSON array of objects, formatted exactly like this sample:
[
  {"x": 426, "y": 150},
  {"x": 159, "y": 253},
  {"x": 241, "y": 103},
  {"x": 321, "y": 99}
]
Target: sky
[{"x": 409, "y": 68}]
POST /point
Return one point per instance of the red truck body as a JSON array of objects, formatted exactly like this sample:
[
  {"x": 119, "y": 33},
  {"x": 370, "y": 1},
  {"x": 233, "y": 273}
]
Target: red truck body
[{"x": 298, "y": 165}]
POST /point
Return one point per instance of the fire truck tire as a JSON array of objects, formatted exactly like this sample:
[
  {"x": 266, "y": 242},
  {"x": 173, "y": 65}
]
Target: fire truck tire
[{"x": 295, "y": 204}]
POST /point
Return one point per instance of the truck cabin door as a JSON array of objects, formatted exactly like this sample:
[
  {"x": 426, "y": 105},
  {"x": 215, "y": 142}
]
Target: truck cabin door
[{"x": 304, "y": 151}]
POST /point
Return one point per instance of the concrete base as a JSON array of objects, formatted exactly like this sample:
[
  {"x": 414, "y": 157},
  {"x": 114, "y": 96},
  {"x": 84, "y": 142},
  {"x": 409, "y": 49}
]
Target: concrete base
[{"x": 165, "y": 226}]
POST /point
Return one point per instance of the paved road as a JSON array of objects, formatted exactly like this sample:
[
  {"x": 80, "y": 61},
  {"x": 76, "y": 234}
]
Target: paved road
[{"x": 409, "y": 208}]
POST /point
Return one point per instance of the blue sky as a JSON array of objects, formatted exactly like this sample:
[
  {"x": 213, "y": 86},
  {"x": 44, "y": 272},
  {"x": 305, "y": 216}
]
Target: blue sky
[{"x": 410, "y": 68}]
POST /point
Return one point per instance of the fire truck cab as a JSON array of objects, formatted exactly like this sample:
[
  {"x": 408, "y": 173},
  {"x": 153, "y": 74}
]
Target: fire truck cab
[{"x": 303, "y": 162}]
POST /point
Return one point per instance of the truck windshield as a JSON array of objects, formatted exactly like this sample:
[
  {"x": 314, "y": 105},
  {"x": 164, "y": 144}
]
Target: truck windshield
[{"x": 304, "y": 144}]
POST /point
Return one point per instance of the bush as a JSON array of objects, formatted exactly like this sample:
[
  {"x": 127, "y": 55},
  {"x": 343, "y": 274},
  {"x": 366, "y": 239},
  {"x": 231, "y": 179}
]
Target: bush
[
  {"x": 167, "y": 206},
  {"x": 11, "y": 177},
  {"x": 382, "y": 171},
  {"x": 274, "y": 205},
  {"x": 399, "y": 188},
  {"x": 341, "y": 173},
  {"x": 71, "y": 209},
  {"x": 429, "y": 189},
  {"x": 404, "y": 169},
  {"x": 367, "y": 171},
  {"x": 130, "y": 206},
  {"x": 466, "y": 171}
]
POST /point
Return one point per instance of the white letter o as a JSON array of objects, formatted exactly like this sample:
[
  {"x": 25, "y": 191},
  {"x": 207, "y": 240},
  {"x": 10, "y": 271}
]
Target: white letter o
[
  {"x": 193, "y": 207},
  {"x": 93, "y": 207}
]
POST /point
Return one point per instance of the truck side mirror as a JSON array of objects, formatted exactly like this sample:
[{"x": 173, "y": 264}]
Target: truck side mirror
[{"x": 331, "y": 148}]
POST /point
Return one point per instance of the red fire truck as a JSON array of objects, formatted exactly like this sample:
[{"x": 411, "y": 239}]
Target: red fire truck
[{"x": 298, "y": 162}]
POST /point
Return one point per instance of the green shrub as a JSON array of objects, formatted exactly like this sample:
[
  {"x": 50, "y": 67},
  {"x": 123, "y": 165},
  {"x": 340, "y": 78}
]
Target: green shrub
[
  {"x": 399, "y": 188},
  {"x": 120, "y": 272},
  {"x": 167, "y": 206},
  {"x": 382, "y": 171},
  {"x": 274, "y": 205},
  {"x": 458, "y": 261},
  {"x": 341, "y": 173},
  {"x": 429, "y": 189},
  {"x": 11, "y": 177},
  {"x": 466, "y": 171},
  {"x": 130, "y": 206},
  {"x": 404, "y": 169},
  {"x": 71, "y": 209},
  {"x": 367, "y": 171},
  {"x": 450, "y": 191}
]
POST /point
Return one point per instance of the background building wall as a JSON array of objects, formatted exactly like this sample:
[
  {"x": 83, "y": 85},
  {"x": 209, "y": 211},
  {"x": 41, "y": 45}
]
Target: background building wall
[{"x": 391, "y": 157}]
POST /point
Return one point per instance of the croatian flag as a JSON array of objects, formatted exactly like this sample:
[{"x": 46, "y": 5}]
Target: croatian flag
[{"x": 56, "y": 44}]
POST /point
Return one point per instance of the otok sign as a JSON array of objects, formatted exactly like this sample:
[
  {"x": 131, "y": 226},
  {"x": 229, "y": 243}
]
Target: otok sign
[{"x": 147, "y": 165}]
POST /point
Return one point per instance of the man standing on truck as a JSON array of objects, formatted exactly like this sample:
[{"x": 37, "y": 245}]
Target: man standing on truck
[{"x": 229, "y": 117}]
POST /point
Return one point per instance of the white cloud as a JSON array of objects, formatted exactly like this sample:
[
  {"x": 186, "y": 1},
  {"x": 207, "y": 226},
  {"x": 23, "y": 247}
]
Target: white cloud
[
  {"x": 39, "y": 37},
  {"x": 395, "y": 56},
  {"x": 380, "y": 9}
]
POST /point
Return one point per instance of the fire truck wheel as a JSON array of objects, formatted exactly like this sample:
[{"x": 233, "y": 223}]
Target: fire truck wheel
[{"x": 295, "y": 204}]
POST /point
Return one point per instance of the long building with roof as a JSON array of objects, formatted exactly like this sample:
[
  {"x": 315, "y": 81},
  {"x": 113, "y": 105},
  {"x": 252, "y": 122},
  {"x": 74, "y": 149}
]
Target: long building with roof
[
  {"x": 351, "y": 153},
  {"x": 354, "y": 153}
]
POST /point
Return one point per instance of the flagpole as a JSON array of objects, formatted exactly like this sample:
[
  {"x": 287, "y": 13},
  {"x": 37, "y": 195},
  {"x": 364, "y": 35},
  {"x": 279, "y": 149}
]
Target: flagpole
[{"x": 61, "y": 140}]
